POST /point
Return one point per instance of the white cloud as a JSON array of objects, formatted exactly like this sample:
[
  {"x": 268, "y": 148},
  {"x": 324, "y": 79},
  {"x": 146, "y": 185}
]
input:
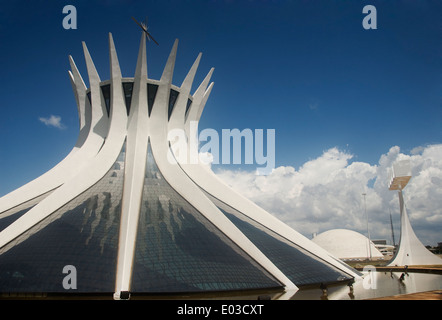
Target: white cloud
[
  {"x": 326, "y": 193},
  {"x": 53, "y": 121}
]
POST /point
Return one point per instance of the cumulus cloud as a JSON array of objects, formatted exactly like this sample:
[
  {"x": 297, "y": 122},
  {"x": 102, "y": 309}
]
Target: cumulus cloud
[
  {"x": 53, "y": 121},
  {"x": 326, "y": 193}
]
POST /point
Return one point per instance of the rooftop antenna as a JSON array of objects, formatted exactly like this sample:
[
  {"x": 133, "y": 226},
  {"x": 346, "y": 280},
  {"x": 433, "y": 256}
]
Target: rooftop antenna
[{"x": 145, "y": 28}]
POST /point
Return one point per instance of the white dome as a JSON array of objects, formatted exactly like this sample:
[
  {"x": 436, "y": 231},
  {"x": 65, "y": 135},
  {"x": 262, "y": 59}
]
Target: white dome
[{"x": 346, "y": 244}]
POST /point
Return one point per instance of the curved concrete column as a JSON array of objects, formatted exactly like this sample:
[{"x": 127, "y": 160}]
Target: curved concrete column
[
  {"x": 187, "y": 188},
  {"x": 136, "y": 154},
  {"x": 93, "y": 128},
  {"x": 209, "y": 182},
  {"x": 97, "y": 167}
]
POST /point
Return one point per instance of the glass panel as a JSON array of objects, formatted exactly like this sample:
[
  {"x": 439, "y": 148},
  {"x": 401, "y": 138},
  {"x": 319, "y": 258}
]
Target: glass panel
[
  {"x": 178, "y": 250},
  {"x": 9, "y": 216},
  {"x": 299, "y": 265},
  {"x": 189, "y": 103},
  {"x": 107, "y": 97},
  {"x": 6, "y": 220},
  {"x": 151, "y": 93},
  {"x": 127, "y": 89},
  {"x": 173, "y": 96},
  {"x": 83, "y": 233}
]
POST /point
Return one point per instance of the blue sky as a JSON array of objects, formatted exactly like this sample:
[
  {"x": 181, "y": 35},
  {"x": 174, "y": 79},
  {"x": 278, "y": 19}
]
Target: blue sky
[{"x": 307, "y": 69}]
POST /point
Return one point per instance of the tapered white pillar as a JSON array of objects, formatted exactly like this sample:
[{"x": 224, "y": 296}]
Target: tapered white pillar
[
  {"x": 410, "y": 251},
  {"x": 179, "y": 180},
  {"x": 136, "y": 153},
  {"x": 94, "y": 124},
  {"x": 96, "y": 168},
  {"x": 210, "y": 183}
]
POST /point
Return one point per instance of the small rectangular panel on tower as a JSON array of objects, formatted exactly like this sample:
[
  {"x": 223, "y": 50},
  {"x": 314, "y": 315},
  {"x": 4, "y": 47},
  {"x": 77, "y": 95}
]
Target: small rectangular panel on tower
[{"x": 400, "y": 175}]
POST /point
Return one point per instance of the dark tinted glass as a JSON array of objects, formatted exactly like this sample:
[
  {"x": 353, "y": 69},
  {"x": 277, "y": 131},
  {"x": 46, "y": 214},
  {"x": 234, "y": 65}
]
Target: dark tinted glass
[
  {"x": 151, "y": 93},
  {"x": 189, "y": 103},
  {"x": 299, "y": 265},
  {"x": 173, "y": 96},
  {"x": 82, "y": 233},
  {"x": 107, "y": 97},
  {"x": 178, "y": 250},
  {"x": 9, "y": 216},
  {"x": 127, "y": 89}
]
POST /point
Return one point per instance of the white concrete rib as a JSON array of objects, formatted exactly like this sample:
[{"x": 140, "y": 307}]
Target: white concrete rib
[
  {"x": 93, "y": 127},
  {"x": 209, "y": 182},
  {"x": 94, "y": 171},
  {"x": 136, "y": 154},
  {"x": 173, "y": 174}
]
